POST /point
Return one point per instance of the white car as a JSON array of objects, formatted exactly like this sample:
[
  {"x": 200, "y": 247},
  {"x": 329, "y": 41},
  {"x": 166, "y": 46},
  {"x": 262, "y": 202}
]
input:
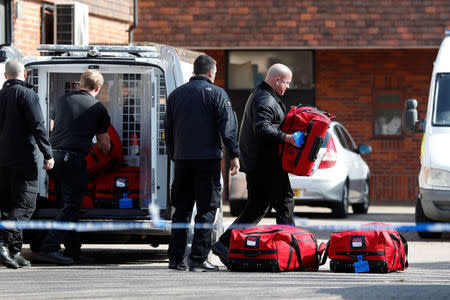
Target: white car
[{"x": 340, "y": 178}]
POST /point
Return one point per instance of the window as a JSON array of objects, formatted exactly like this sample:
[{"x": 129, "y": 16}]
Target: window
[
  {"x": 441, "y": 111},
  {"x": 345, "y": 138},
  {"x": 247, "y": 69},
  {"x": 388, "y": 113},
  {"x": 47, "y": 30}
]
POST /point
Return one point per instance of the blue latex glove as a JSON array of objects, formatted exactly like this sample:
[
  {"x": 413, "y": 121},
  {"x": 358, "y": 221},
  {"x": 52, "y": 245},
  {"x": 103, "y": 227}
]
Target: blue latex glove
[{"x": 298, "y": 136}]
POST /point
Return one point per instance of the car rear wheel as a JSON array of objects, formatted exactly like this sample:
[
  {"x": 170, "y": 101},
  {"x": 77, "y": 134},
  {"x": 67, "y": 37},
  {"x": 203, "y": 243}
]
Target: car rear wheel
[
  {"x": 363, "y": 206},
  {"x": 341, "y": 209},
  {"x": 422, "y": 218}
]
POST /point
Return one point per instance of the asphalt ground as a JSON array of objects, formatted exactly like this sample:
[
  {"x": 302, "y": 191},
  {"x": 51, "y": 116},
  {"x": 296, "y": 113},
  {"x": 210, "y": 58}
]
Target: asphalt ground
[{"x": 140, "y": 272}]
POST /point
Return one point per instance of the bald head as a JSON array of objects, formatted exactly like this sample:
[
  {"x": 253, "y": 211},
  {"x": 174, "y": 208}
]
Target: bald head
[
  {"x": 279, "y": 78},
  {"x": 14, "y": 69}
]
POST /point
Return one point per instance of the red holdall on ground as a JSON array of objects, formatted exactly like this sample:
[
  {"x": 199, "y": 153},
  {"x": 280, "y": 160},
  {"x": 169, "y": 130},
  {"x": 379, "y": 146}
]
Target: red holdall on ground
[
  {"x": 98, "y": 162},
  {"x": 118, "y": 189},
  {"x": 312, "y": 122},
  {"x": 376, "y": 250},
  {"x": 273, "y": 248}
]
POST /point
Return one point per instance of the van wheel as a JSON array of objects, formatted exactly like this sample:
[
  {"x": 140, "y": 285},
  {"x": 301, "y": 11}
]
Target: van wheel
[
  {"x": 422, "y": 218},
  {"x": 341, "y": 209},
  {"x": 363, "y": 206}
]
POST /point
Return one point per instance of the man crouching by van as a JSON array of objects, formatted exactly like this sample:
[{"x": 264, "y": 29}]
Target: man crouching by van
[
  {"x": 22, "y": 126},
  {"x": 77, "y": 117}
]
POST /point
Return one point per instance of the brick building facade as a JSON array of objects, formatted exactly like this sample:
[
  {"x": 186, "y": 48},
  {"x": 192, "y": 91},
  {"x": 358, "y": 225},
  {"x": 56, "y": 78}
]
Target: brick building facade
[
  {"x": 108, "y": 22},
  {"x": 366, "y": 57}
]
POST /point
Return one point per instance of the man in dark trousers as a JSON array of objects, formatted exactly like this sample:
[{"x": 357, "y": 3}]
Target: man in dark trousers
[
  {"x": 77, "y": 117},
  {"x": 22, "y": 126},
  {"x": 267, "y": 183},
  {"x": 199, "y": 117}
]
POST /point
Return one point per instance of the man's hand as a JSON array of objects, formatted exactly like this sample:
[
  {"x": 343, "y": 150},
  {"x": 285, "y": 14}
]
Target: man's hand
[
  {"x": 234, "y": 168},
  {"x": 48, "y": 164},
  {"x": 290, "y": 139},
  {"x": 104, "y": 142}
]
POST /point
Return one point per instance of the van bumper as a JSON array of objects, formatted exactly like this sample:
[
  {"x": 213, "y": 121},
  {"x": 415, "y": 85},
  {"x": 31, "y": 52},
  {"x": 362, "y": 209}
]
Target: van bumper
[{"x": 436, "y": 204}]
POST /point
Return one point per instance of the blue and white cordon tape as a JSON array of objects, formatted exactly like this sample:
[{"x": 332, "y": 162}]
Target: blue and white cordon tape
[{"x": 160, "y": 224}]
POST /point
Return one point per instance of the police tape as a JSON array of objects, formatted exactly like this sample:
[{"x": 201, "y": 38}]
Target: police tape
[
  {"x": 164, "y": 225},
  {"x": 157, "y": 223}
]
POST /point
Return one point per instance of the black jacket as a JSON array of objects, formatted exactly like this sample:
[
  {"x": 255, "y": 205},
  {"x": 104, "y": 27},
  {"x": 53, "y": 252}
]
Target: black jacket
[
  {"x": 198, "y": 118},
  {"x": 21, "y": 125},
  {"x": 259, "y": 136}
]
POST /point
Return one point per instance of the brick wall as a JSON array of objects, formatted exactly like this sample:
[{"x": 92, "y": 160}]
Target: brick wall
[
  {"x": 216, "y": 24},
  {"x": 109, "y": 22},
  {"x": 345, "y": 80}
]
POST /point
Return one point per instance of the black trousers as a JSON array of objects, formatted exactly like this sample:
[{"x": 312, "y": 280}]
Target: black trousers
[
  {"x": 18, "y": 190},
  {"x": 195, "y": 182},
  {"x": 70, "y": 179},
  {"x": 265, "y": 189}
]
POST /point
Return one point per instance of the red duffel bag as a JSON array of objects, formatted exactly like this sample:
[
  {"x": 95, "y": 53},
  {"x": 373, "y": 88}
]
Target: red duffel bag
[
  {"x": 273, "y": 248},
  {"x": 372, "y": 250},
  {"x": 314, "y": 124},
  {"x": 118, "y": 189},
  {"x": 98, "y": 162}
]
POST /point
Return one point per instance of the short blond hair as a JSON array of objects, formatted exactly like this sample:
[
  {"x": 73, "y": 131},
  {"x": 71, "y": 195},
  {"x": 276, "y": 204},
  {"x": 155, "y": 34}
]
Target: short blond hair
[{"x": 91, "y": 79}]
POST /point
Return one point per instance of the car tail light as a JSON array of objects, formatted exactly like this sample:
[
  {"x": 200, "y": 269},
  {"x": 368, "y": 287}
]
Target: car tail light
[{"x": 330, "y": 156}]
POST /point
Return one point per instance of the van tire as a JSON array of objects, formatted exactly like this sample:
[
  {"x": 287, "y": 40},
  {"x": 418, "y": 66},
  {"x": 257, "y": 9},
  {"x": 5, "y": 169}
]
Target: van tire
[{"x": 422, "y": 218}]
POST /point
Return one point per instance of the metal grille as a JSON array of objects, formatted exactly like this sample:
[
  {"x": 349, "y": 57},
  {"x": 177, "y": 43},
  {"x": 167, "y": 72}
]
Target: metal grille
[
  {"x": 161, "y": 113},
  {"x": 131, "y": 114},
  {"x": 64, "y": 24},
  {"x": 70, "y": 86},
  {"x": 32, "y": 78}
]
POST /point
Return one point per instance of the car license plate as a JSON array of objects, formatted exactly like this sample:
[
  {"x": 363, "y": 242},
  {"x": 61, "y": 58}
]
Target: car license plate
[{"x": 298, "y": 192}]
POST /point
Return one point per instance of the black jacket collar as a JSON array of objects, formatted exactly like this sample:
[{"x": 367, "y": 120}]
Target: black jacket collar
[
  {"x": 265, "y": 86},
  {"x": 12, "y": 82},
  {"x": 200, "y": 78}
]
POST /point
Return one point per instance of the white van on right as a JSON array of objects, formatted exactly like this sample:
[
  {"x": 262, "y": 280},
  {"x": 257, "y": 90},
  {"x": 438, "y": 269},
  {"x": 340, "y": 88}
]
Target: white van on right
[{"x": 433, "y": 199}]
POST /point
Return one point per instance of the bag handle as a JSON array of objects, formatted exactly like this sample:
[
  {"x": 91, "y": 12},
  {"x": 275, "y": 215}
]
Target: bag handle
[{"x": 323, "y": 253}]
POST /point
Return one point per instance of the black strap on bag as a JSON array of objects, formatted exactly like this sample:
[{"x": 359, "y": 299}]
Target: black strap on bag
[
  {"x": 405, "y": 244},
  {"x": 294, "y": 244},
  {"x": 323, "y": 259}
]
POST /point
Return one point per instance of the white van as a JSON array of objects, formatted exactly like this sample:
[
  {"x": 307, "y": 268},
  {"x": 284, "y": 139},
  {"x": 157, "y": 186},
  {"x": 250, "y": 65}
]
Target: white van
[
  {"x": 145, "y": 74},
  {"x": 433, "y": 200}
]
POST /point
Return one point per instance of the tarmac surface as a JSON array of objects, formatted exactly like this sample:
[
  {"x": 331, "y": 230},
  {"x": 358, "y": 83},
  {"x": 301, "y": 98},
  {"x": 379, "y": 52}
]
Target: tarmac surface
[{"x": 140, "y": 272}]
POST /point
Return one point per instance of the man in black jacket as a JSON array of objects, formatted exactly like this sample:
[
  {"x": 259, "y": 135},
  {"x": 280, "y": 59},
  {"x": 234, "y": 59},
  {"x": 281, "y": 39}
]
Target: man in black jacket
[
  {"x": 267, "y": 183},
  {"x": 198, "y": 119},
  {"x": 22, "y": 126}
]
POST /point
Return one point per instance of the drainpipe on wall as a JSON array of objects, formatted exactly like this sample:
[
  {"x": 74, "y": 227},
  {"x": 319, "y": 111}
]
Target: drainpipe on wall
[
  {"x": 135, "y": 22},
  {"x": 43, "y": 9},
  {"x": 9, "y": 24}
]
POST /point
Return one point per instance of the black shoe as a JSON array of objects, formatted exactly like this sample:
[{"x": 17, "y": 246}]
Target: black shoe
[
  {"x": 20, "y": 260},
  {"x": 181, "y": 266},
  {"x": 205, "y": 266},
  {"x": 221, "y": 251},
  {"x": 54, "y": 258},
  {"x": 5, "y": 259}
]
